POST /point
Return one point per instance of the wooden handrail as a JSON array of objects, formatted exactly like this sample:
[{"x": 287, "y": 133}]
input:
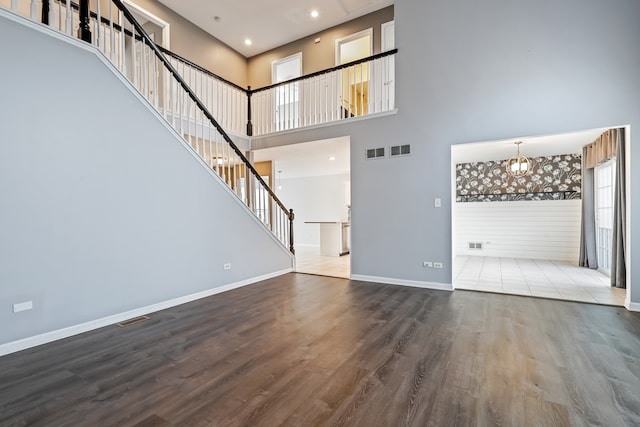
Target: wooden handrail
[
  {"x": 328, "y": 70},
  {"x": 197, "y": 100}
]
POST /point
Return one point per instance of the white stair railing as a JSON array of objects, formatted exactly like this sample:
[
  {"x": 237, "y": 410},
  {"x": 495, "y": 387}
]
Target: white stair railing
[{"x": 225, "y": 100}]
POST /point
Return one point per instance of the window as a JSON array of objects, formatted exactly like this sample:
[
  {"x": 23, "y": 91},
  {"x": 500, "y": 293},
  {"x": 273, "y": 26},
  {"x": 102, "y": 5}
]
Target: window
[{"x": 604, "y": 187}]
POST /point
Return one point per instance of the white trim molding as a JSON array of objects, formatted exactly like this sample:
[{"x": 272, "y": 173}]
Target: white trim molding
[
  {"x": 632, "y": 306},
  {"x": 36, "y": 340},
  {"x": 352, "y": 37},
  {"x": 402, "y": 282},
  {"x": 166, "y": 27}
]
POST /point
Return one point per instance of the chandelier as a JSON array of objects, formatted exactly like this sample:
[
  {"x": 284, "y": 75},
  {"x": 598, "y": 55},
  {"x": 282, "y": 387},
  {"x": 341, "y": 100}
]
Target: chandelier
[{"x": 519, "y": 165}]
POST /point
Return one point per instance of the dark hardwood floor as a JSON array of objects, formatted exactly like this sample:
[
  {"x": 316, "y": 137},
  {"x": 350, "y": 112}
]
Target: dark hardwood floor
[{"x": 305, "y": 350}]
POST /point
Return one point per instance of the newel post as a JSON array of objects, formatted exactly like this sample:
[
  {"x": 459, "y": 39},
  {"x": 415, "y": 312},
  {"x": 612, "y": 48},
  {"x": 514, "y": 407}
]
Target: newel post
[
  {"x": 291, "y": 217},
  {"x": 249, "y": 124},
  {"x": 84, "y": 31}
]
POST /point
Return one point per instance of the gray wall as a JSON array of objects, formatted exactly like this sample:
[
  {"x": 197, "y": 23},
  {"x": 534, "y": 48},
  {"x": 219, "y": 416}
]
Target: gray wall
[
  {"x": 471, "y": 71},
  {"x": 97, "y": 220}
]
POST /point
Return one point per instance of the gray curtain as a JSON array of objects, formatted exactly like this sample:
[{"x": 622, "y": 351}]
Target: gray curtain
[
  {"x": 618, "y": 257},
  {"x": 588, "y": 254}
]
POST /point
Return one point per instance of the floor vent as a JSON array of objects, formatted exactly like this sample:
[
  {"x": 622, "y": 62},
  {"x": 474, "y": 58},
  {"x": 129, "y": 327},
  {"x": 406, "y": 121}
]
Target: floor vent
[
  {"x": 133, "y": 321},
  {"x": 374, "y": 153},
  {"x": 400, "y": 150},
  {"x": 475, "y": 245}
]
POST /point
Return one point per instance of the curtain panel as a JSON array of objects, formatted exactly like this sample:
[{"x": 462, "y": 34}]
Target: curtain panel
[
  {"x": 602, "y": 149},
  {"x": 608, "y": 145},
  {"x": 618, "y": 244}
]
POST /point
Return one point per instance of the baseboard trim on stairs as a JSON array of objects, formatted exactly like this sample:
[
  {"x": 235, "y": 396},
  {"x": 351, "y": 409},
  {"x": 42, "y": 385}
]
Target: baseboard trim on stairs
[
  {"x": 47, "y": 337},
  {"x": 402, "y": 282}
]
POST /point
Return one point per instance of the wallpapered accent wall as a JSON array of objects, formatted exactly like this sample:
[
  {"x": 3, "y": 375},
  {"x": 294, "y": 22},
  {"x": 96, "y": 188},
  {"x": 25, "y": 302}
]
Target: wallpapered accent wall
[{"x": 551, "y": 178}]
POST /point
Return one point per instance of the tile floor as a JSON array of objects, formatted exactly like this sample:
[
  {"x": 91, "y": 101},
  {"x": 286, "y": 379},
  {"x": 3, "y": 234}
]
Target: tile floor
[
  {"x": 309, "y": 260},
  {"x": 538, "y": 278},
  {"x": 531, "y": 277}
]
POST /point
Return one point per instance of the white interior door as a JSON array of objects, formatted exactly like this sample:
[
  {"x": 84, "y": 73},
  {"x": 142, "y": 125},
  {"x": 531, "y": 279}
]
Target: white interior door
[{"x": 388, "y": 84}]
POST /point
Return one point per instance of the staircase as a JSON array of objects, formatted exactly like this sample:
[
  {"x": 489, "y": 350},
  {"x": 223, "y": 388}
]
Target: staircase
[{"x": 125, "y": 43}]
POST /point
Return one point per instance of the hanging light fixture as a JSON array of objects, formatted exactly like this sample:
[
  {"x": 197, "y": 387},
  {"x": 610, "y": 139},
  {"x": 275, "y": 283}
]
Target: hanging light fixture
[
  {"x": 279, "y": 180},
  {"x": 519, "y": 165}
]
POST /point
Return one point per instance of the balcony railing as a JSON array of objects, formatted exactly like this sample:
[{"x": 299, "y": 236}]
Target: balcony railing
[
  {"x": 356, "y": 89},
  {"x": 225, "y": 100}
]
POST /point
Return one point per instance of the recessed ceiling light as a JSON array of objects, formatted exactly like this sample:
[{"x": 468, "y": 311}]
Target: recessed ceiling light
[
  {"x": 332, "y": 158},
  {"x": 247, "y": 42},
  {"x": 314, "y": 13}
]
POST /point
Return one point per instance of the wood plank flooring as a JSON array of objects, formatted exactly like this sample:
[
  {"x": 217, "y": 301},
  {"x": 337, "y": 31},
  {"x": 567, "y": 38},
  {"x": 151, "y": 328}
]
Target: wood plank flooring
[{"x": 303, "y": 350}]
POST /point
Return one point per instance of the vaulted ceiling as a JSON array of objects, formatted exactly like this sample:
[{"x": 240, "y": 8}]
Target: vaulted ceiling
[{"x": 269, "y": 23}]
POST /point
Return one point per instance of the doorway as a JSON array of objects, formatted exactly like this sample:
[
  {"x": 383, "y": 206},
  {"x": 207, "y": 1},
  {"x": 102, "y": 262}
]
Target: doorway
[
  {"x": 525, "y": 241},
  {"x": 354, "y": 87},
  {"x": 355, "y": 46},
  {"x": 158, "y": 29},
  {"x": 287, "y": 97},
  {"x": 314, "y": 179}
]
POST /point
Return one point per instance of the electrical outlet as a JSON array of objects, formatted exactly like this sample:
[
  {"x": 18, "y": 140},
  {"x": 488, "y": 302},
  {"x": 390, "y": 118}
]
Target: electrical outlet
[
  {"x": 437, "y": 265},
  {"x": 427, "y": 264},
  {"x": 22, "y": 306},
  {"x": 227, "y": 266}
]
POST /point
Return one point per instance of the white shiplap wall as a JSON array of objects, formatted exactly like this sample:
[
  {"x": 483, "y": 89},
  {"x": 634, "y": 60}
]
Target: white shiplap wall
[{"x": 547, "y": 229}]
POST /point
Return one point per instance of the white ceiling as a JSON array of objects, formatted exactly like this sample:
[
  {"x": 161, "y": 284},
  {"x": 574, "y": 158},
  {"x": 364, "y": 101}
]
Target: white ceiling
[
  {"x": 309, "y": 158},
  {"x": 269, "y": 23},
  {"x": 531, "y": 146}
]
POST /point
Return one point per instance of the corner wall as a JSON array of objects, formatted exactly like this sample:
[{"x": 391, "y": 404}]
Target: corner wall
[{"x": 104, "y": 209}]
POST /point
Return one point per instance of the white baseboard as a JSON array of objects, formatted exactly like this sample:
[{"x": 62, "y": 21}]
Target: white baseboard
[
  {"x": 47, "y": 337},
  {"x": 401, "y": 282},
  {"x": 632, "y": 306}
]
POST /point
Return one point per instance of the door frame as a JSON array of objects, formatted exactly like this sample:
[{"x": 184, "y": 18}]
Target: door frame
[
  {"x": 352, "y": 37},
  {"x": 166, "y": 27},
  {"x": 289, "y": 58}
]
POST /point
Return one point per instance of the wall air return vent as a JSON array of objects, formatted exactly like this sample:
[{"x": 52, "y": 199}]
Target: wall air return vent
[
  {"x": 400, "y": 150},
  {"x": 374, "y": 153},
  {"x": 475, "y": 245}
]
